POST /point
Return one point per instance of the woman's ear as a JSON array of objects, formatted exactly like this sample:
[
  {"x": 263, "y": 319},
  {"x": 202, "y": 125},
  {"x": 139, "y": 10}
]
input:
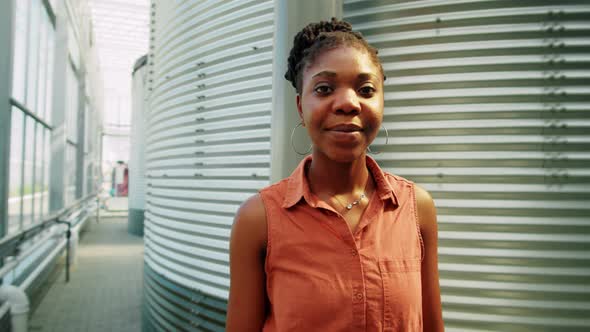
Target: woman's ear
[{"x": 299, "y": 110}]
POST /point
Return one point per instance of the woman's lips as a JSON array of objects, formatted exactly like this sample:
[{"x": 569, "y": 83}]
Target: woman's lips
[
  {"x": 345, "y": 133},
  {"x": 346, "y": 128}
]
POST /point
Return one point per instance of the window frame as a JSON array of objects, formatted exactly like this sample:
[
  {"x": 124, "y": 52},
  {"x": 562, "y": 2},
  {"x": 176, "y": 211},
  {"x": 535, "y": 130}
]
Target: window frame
[{"x": 35, "y": 114}]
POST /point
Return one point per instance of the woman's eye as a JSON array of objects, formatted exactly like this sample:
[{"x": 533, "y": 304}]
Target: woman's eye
[
  {"x": 323, "y": 89},
  {"x": 367, "y": 91}
]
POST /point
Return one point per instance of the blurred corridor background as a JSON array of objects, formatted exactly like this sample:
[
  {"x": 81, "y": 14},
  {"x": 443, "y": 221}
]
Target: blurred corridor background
[{"x": 131, "y": 130}]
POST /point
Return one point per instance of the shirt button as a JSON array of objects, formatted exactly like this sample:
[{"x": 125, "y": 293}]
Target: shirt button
[
  {"x": 359, "y": 296},
  {"x": 353, "y": 252}
]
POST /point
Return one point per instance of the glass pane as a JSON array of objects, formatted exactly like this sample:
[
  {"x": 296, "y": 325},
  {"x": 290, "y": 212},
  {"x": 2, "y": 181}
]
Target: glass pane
[
  {"x": 70, "y": 190},
  {"x": 47, "y": 156},
  {"x": 16, "y": 166},
  {"x": 86, "y": 128},
  {"x": 49, "y": 85},
  {"x": 20, "y": 50},
  {"x": 41, "y": 79},
  {"x": 33, "y": 55},
  {"x": 91, "y": 131},
  {"x": 73, "y": 48},
  {"x": 72, "y": 105},
  {"x": 38, "y": 172},
  {"x": 28, "y": 170},
  {"x": 53, "y": 4},
  {"x": 87, "y": 152},
  {"x": 89, "y": 176}
]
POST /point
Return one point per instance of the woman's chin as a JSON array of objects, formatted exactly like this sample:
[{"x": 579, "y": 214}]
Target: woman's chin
[{"x": 344, "y": 155}]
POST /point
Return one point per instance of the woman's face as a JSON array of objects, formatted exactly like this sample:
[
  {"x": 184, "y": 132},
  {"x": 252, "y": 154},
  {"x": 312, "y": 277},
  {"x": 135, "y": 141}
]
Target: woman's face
[{"x": 341, "y": 102}]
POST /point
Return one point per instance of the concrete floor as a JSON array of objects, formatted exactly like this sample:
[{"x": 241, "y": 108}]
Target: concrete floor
[{"x": 105, "y": 288}]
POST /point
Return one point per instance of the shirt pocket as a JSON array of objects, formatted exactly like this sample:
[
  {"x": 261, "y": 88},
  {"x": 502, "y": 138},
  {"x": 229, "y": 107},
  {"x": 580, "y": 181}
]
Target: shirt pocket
[{"x": 402, "y": 294}]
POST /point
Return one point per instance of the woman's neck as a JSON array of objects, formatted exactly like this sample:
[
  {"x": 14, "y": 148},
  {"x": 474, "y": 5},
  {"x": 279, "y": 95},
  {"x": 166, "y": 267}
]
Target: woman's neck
[{"x": 335, "y": 178}]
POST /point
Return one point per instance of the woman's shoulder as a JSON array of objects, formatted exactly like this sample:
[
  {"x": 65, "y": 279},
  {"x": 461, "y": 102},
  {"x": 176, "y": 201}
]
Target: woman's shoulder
[
  {"x": 252, "y": 208},
  {"x": 277, "y": 187},
  {"x": 391, "y": 178},
  {"x": 399, "y": 184},
  {"x": 249, "y": 225},
  {"x": 396, "y": 181},
  {"x": 380, "y": 174},
  {"x": 273, "y": 195},
  {"x": 423, "y": 199}
]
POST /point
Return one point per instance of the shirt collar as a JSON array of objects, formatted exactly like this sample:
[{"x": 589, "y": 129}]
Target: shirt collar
[{"x": 298, "y": 187}]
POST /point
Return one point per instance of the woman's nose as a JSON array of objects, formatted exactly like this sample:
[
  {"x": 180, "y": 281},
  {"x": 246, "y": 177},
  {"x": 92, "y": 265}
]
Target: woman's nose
[{"x": 347, "y": 102}]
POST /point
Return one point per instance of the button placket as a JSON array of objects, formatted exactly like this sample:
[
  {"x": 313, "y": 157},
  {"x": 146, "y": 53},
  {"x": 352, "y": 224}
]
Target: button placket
[
  {"x": 358, "y": 295},
  {"x": 387, "y": 316},
  {"x": 357, "y": 291}
]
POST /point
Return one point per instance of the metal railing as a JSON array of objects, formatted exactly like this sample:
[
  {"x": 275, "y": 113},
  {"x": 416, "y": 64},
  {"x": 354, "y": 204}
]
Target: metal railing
[{"x": 9, "y": 245}]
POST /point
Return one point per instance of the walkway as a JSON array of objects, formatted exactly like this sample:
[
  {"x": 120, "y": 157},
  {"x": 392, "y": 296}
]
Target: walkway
[{"x": 105, "y": 288}]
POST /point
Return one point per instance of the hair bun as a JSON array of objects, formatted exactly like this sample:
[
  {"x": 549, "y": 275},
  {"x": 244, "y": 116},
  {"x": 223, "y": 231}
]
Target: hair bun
[
  {"x": 321, "y": 35},
  {"x": 306, "y": 38}
]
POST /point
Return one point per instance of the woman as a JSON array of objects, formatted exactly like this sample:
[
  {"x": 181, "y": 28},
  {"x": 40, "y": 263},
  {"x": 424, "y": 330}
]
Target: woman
[{"x": 339, "y": 245}]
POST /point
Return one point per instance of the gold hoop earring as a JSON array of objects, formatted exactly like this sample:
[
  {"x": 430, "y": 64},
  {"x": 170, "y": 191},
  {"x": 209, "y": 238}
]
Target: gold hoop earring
[
  {"x": 386, "y": 141},
  {"x": 300, "y": 124}
]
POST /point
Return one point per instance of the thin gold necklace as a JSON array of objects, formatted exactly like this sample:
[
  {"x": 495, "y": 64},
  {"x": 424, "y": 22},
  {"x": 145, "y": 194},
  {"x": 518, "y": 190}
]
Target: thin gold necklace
[
  {"x": 356, "y": 202},
  {"x": 352, "y": 204}
]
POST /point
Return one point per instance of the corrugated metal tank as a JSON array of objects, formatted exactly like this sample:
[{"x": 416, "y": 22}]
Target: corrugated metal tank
[
  {"x": 137, "y": 183},
  {"x": 487, "y": 107},
  {"x": 208, "y": 146}
]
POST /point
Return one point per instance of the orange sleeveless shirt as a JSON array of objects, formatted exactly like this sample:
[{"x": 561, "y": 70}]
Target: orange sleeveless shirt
[{"x": 322, "y": 277}]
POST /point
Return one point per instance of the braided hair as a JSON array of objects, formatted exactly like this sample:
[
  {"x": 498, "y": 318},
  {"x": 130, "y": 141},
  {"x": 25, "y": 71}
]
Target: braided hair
[{"x": 320, "y": 36}]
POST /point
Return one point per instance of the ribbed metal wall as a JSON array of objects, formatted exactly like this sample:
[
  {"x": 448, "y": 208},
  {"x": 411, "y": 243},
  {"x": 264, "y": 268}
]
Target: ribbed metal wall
[
  {"x": 137, "y": 183},
  {"x": 208, "y": 146},
  {"x": 488, "y": 107}
]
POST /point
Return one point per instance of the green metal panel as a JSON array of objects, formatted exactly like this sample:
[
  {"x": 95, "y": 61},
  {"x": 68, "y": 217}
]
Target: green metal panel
[
  {"x": 135, "y": 222},
  {"x": 488, "y": 108},
  {"x": 167, "y": 302}
]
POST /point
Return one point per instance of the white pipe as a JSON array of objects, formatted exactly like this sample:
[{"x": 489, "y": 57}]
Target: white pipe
[
  {"x": 13, "y": 263},
  {"x": 15, "y": 297},
  {"x": 33, "y": 275},
  {"x": 19, "y": 307}
]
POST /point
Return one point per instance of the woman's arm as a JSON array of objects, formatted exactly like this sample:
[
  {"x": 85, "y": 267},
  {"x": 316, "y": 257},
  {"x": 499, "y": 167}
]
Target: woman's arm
[
  {"x": 431, "y": 304},
  {"x": 246, "y": 309}
]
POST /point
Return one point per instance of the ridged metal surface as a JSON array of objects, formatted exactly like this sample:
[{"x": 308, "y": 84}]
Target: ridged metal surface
[
  {"x": 488, "y": 108},
  {"x": 208, "y": 143},
  {"x": 166, "y": 304},
  {"x": 137, "y": 183}
]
